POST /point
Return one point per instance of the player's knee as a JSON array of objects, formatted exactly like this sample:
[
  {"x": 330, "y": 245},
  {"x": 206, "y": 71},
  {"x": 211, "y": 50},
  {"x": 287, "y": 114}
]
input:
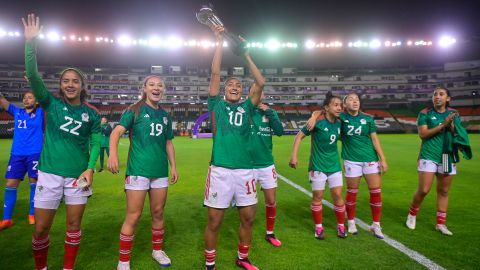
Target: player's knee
[
  {"x": 214, "y": 224},
  {"x": 422, "y": 192},
  {"x": 157, "y": 215},
  {"x": 73, "y": 224},
  {"x": 12, "y": 183},
  {"x": 443, "y": 192},
  {"x": 133, "y": 216}
]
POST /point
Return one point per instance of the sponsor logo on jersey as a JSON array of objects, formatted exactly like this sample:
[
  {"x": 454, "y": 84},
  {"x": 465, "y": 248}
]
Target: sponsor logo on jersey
[
  {"x": 85, "y": 117},
  {"x": 326, "y": 129},
  {"x": 146, "y": 116},
  {"x": 165, "y": 120},
  {"x": 363, "y": 121},
  {"x": 32, "y": 115},
  {"x": 434, "y": 118},
  {"x": 240, "y": 109},
  {"x": 65, "y": 109}
]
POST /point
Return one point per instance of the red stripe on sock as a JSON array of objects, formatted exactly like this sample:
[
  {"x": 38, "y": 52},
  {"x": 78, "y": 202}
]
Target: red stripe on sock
[
  {"x": 71, "y": 246},
  {"x": 316, "y": 213},
  {"x": 40, "y": 251},
  {"x": 157, "y": 238},
  {"x": 126, "y": 243},
  {"x": 351, "y": 203},
  {"x": 271, "y": 213},
  {"x": 376, "y": 203}
]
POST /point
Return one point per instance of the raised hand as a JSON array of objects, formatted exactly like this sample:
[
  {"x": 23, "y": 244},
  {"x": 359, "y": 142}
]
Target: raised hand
[
  {"x": 218, "y": 30},
  {"x": 32, "y": 27}
]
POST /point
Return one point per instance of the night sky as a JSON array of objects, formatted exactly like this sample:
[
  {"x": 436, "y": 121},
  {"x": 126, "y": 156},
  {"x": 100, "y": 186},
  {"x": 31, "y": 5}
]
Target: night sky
[{"x": 255, "y": 20}]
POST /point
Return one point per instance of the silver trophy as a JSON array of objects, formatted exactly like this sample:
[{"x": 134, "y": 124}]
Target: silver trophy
[{"x": 206, "y": 16}]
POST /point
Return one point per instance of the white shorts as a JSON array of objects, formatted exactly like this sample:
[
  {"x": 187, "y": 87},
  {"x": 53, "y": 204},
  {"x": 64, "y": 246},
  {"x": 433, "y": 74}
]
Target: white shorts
[
  {"x": 143, "y": 183},
  {"x": 425, "y": 165},
  {"x": 224, "y": 186},
  {"x": 51, "y": 188},
  {"x": 357, "y": 169},
  {"x": 267, "y": 177},
  {"x": 318, "y": 179}
]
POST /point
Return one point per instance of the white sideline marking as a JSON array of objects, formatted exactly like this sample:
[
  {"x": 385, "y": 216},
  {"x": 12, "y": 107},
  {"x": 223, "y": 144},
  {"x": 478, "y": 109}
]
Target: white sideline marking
[{"x": 391, "y": 242}]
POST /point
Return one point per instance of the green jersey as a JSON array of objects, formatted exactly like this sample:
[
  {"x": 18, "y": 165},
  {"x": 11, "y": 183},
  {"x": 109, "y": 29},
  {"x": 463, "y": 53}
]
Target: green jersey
[
  {"x": 70, "y": 146},
  {"x": 431, "y": 148},
  {"x": 264, "y": 125},
  {"x": 324, "y": 151},
  {"x": 357, "y": 144},
  {"x": 149, "y": 134},
  {"x": 231, "y": 125},
  {"x": 106, "y": 131}
]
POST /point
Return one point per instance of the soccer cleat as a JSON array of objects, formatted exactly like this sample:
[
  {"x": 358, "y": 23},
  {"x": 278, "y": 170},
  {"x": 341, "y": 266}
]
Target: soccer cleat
[
  {"x": 161, "y": 257},
  {"x": 101, "y": 169},
  {"x": 5, "y": 224},
  {"x": 210, "y": 267},
  {"x": 341, "y": 231},
  {"x": 273, "y": 240},
  {"x": 352, "y": 228},
  {"x": 377, "y": 231},
  {"x": 123, "y": 266},
  {"x": 246, "y": 264},
  {"x": 443, "y": 229},
  {"x": 411, "y": 222},
  {"x": 31, "y": 219},
  {"x": 319, "y": 233}
]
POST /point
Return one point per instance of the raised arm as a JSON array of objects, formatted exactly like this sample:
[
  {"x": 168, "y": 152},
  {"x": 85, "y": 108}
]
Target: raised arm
[
  {"x": 32, "y": 30},
  {"x": 216, "y": 63},
  {"x": 259, "y": 82},
  {"x": 117, "y": 133}
]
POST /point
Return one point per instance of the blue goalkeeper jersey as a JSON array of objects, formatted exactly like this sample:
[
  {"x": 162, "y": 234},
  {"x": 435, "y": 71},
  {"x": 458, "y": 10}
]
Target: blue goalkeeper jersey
[{"x": 28, "y": 131}]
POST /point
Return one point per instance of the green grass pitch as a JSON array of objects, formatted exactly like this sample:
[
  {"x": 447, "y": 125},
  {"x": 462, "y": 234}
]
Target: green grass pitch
[{"x": 186, "y": 218}]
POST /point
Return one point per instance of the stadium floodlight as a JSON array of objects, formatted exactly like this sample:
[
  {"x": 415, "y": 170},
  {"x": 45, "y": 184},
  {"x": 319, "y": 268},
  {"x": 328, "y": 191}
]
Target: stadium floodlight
[
  {"x": 80, "y": 39},
  {"x": 124, "y": 40},
  {"x": 374, "y": 44},
  {"x": 11, "y": 34},
  {"x": 41, "y": 36},
  {"x": 310, "y": 44},
  {"x": 64, "y": 38},
  {"x": 53, "y": 36},
  {"x": 205, "y": 44},
  {"x": 73, "y": 37},
  {"x": 358, "y": 44},
  {"x": 192, "y": 43},
  {"x": 173, "y": 42},
  {"x": 17, "y": 34},
  {"x": 399, "y": 43},
  {"x": 155, "y": 42},
  {"x": 388, "y": 43},
  {"x": 409, "y": 43},
  {"x": 350, "y": 44},
  {"x": 429, "y": 43},
  {"x": 272, "y": 45},
  {"x": 446, "y": 41},
  {"x": 225, "y": 44},
  {"x": 2, "y": 33},
  {"x": 86, "y": 38}
]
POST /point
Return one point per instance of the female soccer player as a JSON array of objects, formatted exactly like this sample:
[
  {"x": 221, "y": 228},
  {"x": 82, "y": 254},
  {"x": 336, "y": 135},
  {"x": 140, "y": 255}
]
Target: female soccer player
[
  {"x": 151, "y": 149},
  {"x": 230, "y": 175},
  {"x": 324, "y": 163},
  {"x": 69, "y": 154},
  {"x": 25, "y": 153},
  {"x": 435, "y": 126},
  {"x": 362, "y": 155},
  {"x": 265, "y": 123},
  {"x": 105, "y": 141}
]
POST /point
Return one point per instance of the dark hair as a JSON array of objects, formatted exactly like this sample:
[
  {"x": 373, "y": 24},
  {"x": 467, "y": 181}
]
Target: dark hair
[
  {"x": 83, "y": 92},
  {"x": 351, "y": 94},
  {"x": 328, "y": 98},
  {"x": 441, "y": 87},
  {"x": 135, "y": 107},
  {"x": 36, "y": 102}
]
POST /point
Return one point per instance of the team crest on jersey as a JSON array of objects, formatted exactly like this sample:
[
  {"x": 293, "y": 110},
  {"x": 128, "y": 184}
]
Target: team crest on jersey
[
  {"x": 85, "y": 117},
  {"x": 434, "y": 118},
  {"x": 40, "y": 188},
  {"x": 325, "y": 129},
  {"x": 346, "y": 121},
  {"x": 146, "y": 116},
  {"x": 240, "y": 109},
  {"x": 264, "y": 119},
  {"x": 165, "y": 120},
  {"x": 363, "y": 121},
  {"x": 65, "y": 109}
]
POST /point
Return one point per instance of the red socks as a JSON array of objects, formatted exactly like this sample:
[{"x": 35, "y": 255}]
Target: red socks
[
  {"x": 126, "y": 243},
  {"x": 376, "y": 203},
  {"x": 271, "y": 213},
  {"x": 72, "y": 243},
  {"x": 351, "y": 202},
  {"x": 157, "y": 239},
  {"x": 316, "y": 213},
  {"x": 40, "y": 251}
]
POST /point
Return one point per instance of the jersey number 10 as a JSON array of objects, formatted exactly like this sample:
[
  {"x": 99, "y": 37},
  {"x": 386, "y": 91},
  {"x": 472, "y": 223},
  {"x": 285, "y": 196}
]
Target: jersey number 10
[{"x": 238, "y": 119}]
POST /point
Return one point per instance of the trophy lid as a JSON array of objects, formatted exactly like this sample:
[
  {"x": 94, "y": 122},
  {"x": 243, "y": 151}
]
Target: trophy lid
[{"x": 203, "y": 14}]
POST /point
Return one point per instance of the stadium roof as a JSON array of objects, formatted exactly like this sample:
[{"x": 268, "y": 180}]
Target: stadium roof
[{"x": 283, "y": 20}]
